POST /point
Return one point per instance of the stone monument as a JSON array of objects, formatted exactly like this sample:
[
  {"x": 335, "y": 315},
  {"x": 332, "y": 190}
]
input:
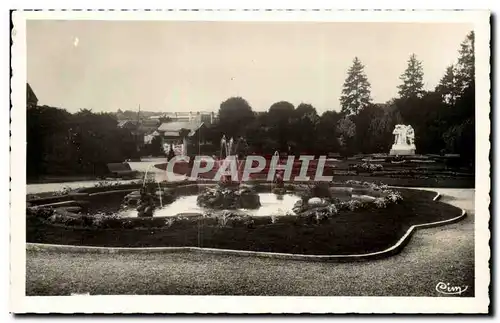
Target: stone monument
[{"x": 404, "y": 141}]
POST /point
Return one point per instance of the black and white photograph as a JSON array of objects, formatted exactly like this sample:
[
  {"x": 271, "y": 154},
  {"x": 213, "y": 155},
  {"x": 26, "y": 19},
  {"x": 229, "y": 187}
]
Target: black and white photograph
[{"x": 286, "y": 161}]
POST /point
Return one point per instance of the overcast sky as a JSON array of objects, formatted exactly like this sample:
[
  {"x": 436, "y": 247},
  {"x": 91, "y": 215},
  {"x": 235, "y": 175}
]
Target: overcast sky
[{"x": 194, "y": 66}]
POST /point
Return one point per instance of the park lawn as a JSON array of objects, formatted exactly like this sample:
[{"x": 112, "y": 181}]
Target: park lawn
[{"x": 349, "y": 232}]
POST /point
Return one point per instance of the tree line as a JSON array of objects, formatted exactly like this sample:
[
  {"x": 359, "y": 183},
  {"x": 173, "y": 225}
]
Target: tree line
[
  {"x": 62, "y": 143},
  {"x": 443, "y": 118},
  {"x": 82, "y": 143}
]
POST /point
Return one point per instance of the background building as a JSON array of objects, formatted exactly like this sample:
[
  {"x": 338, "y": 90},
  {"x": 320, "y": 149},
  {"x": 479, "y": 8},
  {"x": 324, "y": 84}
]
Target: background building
[
  {"x": 197, "y": 116},
  {"x": 185, "y": 136},
  {"x": 31, "y": 99}
]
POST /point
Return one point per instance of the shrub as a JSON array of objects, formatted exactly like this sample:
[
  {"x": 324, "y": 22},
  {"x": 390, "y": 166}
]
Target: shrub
[
  {"x": 367, "y": 167},
  {"x": 241, "y": 220},
  {"x": 64, "y": 191},
  {"x": 332, "y": 210},
  {"x": 320, "y": 216},
  {"x": 394, "y": 197},
  {"x": 111, "y": 221},
  {"x": 354, "y": 205},
  {"x": 223, "y": 218},
  {"x": 65, "y": 219},
  {"x": 169, "y": 222},
  {"x": 380, "y": 203},
  {"x": 40, "y": 212}
]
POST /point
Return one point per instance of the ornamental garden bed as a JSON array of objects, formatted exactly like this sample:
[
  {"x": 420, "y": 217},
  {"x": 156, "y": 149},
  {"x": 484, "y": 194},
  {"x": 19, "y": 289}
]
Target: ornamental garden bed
[{"x": 356, "y": 231}]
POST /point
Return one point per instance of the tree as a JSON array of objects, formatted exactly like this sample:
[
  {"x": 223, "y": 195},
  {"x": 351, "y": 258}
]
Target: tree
[
  {"x": 347, "y": 132},
  {"x": 460, "y": 136},
  {"x": 258, "y": 137},
  {"x": 412, "y": 79},
  {"x": 356, "y": 90},
  {"x": 364, "y": 139},
  {"x": 466, "y": 64},
  {"x": 60, "y": 143},
  {"x": 234, "y": 115},
  {"x": 461, "y": 139},
  {"x": 380, "y": 131},
  {"x": 279, "y": 121},
  {"x": 46, "y": 128},
  {"x": 448, "y": 86},
  {"x": 327, "y": 135},
  {"x": 458, "y": 123},
  {"x": 304, "y": 118},
  {"x": 155, "y": 148}
]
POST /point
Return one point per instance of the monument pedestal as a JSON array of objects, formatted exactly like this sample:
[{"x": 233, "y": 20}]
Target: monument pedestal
[{"x": 402, "y": 150}]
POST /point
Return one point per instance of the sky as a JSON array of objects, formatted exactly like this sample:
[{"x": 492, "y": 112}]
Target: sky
[{"x": 194, "y": 66}]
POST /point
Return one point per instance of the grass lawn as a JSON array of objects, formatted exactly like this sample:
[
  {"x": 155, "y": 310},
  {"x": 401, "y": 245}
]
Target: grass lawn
[{"x": 360, "y": 231}]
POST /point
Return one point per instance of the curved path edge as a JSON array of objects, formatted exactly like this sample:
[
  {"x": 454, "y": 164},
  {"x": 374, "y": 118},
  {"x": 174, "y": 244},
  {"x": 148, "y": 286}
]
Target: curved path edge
[{"x": 394, "y": 249}]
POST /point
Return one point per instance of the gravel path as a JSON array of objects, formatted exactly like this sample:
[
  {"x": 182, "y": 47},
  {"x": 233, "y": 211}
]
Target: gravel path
[
  {"x": 443, "y": 254},
  {"x": 143, "y": 166}
]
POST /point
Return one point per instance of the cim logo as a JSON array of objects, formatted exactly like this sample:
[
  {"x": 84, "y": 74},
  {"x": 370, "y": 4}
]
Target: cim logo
[{"x": 447, "y": 289}]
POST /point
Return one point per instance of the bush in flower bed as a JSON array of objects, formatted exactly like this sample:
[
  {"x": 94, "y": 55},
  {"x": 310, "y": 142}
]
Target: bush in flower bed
[
  {"x": 227, "y": 218},
  {"x": 114, "y": 221},
  {"x": 351, "y": 205},
  {"x": 223, "y": 197},
  {"x": 380, "y": 203},
  {"x": 39, "y": 212},
  {"x": 367, "y": 167},
  {"x": 388, "y": 196},
  {"x": 320, "y": 214},
  {"x": 331, "y": 206}
]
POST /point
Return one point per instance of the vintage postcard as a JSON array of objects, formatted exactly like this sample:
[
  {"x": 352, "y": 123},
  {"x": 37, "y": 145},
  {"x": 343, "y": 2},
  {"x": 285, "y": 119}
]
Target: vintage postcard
[{"x": 251, "y": 161}]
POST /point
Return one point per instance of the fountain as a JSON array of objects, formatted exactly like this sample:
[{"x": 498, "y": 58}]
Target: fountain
[
  {"x": 228, "y": 150},
  {"x": 146, "y": 198},
  {"x": 146, "y": 203},
  {"x": 278, "y": 184},
  {"x": 229, "y": 194}
]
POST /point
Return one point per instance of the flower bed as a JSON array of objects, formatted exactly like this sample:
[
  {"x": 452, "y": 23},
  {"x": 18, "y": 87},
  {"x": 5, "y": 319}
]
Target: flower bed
[
  {"x": 353, "y": 229},
  {"x": 366, "y": 167},
  {"x": 103, "y": 206},
  {"x": 328, "y": 205}
]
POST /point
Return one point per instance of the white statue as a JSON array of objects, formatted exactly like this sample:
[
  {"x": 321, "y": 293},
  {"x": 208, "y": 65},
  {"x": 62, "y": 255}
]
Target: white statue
[
  {"x": 397, "y": 134},
  {"x": 404, "y": 141},
  {"x": 410, "y": 134}
]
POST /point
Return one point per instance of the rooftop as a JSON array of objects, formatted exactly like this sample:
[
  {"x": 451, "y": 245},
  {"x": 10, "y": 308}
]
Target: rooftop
[{"x": 173, "y": 128}]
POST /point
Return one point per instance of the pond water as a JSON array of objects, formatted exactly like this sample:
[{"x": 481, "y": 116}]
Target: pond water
[{"x": 271, "y": 204}]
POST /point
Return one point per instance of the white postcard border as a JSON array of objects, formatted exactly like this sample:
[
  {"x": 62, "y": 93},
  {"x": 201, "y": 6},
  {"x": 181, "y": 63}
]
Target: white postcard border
[{"x": 251, "y": 304}]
